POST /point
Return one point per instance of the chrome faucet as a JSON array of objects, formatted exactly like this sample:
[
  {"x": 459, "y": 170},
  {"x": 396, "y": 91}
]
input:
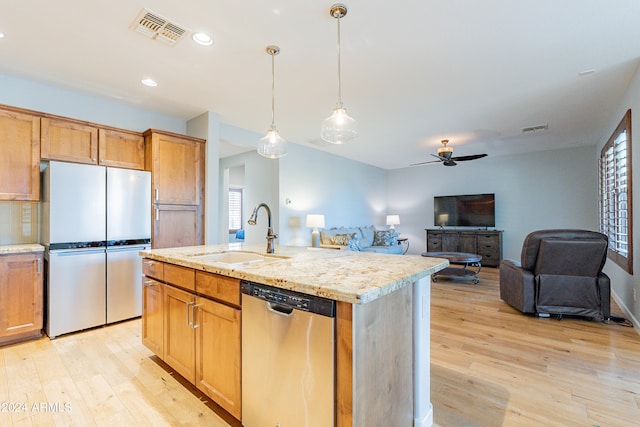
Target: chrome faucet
[{"x": 270, "y": 234}]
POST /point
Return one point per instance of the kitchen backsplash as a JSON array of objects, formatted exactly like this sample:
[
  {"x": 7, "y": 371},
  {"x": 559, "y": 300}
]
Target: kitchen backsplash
[{"x": 18, "y": 222}]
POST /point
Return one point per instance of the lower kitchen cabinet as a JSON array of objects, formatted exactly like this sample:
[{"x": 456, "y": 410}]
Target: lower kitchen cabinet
[
  {"x": 179, "y": 334},
  {"x": 218, "y": 357},
  {"x": 196, "y": 333},
  {"x": 21, "y": 296},
  {"x": 153, "y": 318}
]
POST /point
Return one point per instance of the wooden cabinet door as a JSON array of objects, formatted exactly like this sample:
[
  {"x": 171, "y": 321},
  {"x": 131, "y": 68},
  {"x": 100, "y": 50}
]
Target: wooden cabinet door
[
  {"x": 450, "y": 241},
  {"x": 176, "y": 226},
  {"x": 218, "y": 357},
  {"x": 153, "y": 316},
  {"x": 177, "y": 164},
  {"x": 179, "y": 335},
  {"x": 467, "y": 242},
  {"x": 121, "y": 149},
  {"x": 69, "y": 141},
  {"x": 21, "y": 301},
  {"x": 19, "y": 156}
]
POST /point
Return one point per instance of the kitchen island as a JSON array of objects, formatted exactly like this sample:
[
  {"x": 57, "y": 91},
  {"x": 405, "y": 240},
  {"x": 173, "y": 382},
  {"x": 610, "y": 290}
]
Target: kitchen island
[{"x": 382, "y": 359}]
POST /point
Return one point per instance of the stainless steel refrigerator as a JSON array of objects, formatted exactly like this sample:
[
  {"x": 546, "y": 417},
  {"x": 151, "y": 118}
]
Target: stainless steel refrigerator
[{"x": 94, "y": 221}]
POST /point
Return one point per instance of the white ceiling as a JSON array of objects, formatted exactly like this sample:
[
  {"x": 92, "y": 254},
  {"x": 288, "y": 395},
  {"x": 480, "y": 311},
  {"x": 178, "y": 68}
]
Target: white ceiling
[{"x": 413, "y": 72}]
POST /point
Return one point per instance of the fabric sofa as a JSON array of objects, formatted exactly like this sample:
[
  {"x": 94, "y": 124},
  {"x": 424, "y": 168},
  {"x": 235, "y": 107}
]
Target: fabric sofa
[{"x": 364, "y": 239}]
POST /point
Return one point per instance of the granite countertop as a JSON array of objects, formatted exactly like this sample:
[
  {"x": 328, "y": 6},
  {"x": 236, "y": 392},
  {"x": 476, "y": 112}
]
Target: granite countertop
[
  {"x": 353, "y": 277},
  {"x": 20, "y": 248}
]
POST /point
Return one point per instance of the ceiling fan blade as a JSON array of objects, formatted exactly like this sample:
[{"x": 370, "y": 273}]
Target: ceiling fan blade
[
  {"x": 472, "y": 157},
  {"x": 437, "y": 156},
  {"x": 424, "y": 163}
]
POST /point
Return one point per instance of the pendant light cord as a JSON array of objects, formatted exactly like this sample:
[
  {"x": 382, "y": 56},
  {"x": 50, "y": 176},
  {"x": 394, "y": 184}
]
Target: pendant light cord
[
  {"x": 339, "y": 104},
  {"x": 273, "y": 90}
]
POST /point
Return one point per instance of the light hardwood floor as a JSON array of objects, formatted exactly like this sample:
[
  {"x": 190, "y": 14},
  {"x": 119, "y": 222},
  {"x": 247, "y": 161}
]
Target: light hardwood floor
[{"x": 490, "y": 366}]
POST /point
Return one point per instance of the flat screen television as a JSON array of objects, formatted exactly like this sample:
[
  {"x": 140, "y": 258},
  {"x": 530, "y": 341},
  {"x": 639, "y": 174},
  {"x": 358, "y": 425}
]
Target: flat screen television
[{"x": 469, "y": 210}]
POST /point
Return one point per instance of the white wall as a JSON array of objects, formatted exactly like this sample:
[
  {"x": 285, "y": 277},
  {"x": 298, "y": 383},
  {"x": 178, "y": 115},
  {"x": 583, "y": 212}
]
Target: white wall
[
  {"x": 622, "y": 283},
  {"x": 548, "y": 189},
  {"x": 36, "y": 96},
  {"x": 346, "y": 192},
  {"x": 260, "y": 181}
]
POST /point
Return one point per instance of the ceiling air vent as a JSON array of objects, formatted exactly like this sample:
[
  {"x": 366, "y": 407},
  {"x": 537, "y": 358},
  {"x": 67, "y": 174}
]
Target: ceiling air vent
[
  {"x": 158, "y": 28},
  {"x": 532, "y": 129}
]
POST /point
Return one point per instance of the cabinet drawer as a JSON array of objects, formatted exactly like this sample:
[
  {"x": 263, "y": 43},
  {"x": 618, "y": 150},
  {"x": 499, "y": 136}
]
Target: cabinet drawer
[
  {"x": 492, "y": 239},
  {"x": 151, "y": 268},
  {"x": 183, "y": 277},
  {"x": 222, "y": 288}
]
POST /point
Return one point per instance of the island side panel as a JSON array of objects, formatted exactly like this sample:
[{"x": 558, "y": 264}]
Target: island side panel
[
  {"x": 343, "y": 370},
  {"x": 423, "y": 411},
  {"x": 383, "y": 354}
]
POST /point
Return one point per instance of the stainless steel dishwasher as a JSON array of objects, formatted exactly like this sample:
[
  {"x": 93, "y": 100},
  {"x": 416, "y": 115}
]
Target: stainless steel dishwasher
[{"x": 287, "y": 358}]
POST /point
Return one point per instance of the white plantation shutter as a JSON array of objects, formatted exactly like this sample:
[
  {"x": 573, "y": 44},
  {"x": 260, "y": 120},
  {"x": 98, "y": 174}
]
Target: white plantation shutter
[
  {"x": 235, "y": 209},
  {"x": 615, "y": 194}
]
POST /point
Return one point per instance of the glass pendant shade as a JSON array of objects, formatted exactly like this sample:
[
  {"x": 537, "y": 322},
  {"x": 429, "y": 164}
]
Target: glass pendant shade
[
  {"x": 338, "y": 128},
  {"x": 272, "y": 145}
]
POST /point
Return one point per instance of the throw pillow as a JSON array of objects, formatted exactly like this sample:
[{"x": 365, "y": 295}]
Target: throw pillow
[
  {"x": 385, "y": 238},
  {"x": 341, "y": 239},
  {"x": 353, "y": 244}
]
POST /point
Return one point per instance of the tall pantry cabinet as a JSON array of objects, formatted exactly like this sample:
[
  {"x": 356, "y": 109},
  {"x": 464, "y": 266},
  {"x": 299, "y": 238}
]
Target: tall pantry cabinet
[{"x": 177, "y": 165}]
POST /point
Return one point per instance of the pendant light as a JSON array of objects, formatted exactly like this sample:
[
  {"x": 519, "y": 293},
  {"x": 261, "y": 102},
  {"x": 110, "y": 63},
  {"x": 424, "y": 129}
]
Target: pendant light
[
  {"x": 272, "y": 145},
  {"x": 338, "y": 128}
]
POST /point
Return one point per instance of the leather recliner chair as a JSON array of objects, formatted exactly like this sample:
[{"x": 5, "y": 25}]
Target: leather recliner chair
[{"x": 560, "y": 273}]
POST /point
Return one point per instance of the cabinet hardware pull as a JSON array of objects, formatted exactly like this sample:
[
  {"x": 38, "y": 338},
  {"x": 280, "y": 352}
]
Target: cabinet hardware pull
[
  {"x": 148, "y": 283},
  {"x": 157, "y": 195},
  {"x": 38, "y": 265},
  {"x": 157, "y": 214},
  {"x": 194, "y": 325},
  {"x": 189, "y": 321},
  {"x": 148, "y": 263}
]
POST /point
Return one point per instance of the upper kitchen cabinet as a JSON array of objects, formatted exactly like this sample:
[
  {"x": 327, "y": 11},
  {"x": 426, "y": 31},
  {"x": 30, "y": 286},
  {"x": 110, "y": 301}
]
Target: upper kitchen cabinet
[
  {"x": 69, "y": 140},
  {"x": 19, "y": 155},
  {"x": 177, "y": 166},
  {"x": 82, "y": 142},
  {"x": 122, "y": 149}
]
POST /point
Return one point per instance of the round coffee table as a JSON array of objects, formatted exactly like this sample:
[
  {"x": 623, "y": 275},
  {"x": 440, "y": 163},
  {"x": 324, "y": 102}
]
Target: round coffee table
[{"x": 458, "y": 258}]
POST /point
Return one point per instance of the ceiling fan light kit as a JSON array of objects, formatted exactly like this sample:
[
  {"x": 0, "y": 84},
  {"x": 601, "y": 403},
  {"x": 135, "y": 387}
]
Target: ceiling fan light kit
[
  {"x": 272, "y": 145},
  {"x": 339, "y": 127},
  {"x": 445, "y": 156}
]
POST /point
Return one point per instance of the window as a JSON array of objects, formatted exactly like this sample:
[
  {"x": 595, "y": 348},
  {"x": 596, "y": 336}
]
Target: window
[
  {"x": 615, "y": 194},
  {"x": 235, "y": 209}
]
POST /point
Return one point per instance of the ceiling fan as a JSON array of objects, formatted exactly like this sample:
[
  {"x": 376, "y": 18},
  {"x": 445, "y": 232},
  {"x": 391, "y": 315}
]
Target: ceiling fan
[{"x": 445, "y": 155}]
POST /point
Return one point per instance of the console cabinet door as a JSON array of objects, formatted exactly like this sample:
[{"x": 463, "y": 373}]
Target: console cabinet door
[
  {"x": 450, "y": 241},
  {"x": 69, "y": 141},
  {"x": 467, "y": 243},
  {"x": 153, "y": 316},
  {"x": 19, "y": 156},
  {"x": 218, "y": 357},
  {"x": 179, "y": 335},
  {"x": 21, "y": 296}
]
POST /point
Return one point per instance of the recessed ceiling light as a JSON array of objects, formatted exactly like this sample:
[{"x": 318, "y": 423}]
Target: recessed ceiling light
[
  {"x": 149, "y": 82},
  {"x": 2, "y": 35},
  {"x": 202, "y": 39}
]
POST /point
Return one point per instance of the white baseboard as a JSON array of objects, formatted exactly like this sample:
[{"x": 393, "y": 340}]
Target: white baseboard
[{"x": 627, "y": 312}]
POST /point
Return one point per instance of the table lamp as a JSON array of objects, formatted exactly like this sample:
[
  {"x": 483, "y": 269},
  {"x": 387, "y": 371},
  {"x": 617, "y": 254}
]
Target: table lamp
[
  {"x": 314, "y": 221},
  {"x": 392, "y": 221}
]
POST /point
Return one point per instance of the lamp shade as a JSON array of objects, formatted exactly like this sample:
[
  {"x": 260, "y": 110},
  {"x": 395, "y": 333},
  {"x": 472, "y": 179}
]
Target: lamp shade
[
  {"x": 393, "y": 219},
  {"x": 315, "y": 221}
]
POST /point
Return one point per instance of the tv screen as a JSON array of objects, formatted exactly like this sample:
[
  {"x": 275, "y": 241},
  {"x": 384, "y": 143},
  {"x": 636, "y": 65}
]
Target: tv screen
[{"x": 470, "y": 210}]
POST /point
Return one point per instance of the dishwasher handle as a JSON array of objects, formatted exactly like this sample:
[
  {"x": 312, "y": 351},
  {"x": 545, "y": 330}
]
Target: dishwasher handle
[{"x": 279, "y": 309}]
